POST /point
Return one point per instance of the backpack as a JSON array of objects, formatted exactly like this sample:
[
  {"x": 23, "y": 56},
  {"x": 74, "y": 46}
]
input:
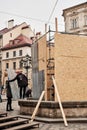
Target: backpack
[{"x": 23, "y": 80}]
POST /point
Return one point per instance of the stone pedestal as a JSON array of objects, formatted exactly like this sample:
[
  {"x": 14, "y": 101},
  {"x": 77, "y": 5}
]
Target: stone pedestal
[{"x": 51, "y": 109}]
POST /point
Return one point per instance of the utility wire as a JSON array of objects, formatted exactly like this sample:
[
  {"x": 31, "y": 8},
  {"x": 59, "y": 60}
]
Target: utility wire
[
  {"x": 20, "y": 16},
  {"x": 52, "y": 11},
  {"x": 2, "y": 12}
]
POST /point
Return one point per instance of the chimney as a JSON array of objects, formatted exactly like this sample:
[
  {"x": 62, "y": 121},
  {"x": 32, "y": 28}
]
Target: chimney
[{"x": 10, "y": 23}]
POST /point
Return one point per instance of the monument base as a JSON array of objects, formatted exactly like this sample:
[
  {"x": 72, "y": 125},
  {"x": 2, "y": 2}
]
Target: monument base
[{"x": 51, "y": 109}]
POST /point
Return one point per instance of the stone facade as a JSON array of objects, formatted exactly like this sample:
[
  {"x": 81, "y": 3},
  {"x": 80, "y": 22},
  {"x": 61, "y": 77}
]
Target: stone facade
[
  {"x": 75, "y": 19},
  {"x": 51, "y": 109}
]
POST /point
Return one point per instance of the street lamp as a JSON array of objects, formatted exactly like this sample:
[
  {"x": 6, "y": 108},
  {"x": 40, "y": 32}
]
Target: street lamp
[{"x": 26, "y": 63}]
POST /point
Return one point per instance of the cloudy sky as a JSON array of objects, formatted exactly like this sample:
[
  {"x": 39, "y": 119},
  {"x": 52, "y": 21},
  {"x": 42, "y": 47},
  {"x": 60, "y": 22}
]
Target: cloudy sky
[{"x": 36, "y": 13}]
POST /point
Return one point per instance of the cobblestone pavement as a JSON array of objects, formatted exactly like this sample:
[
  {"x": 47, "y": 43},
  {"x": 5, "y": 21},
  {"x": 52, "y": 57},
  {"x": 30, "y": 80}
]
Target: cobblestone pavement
[
  {"x": 56, "y": 126},
  {"x": 45, "y": 126}
]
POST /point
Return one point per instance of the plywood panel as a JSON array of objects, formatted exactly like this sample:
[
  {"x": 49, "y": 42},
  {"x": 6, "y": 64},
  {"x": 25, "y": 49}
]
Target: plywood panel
[
  {"x": 42, "y": 53},
  {"x": 71, "y": 67},
  {"x": 42, "y": 59}
]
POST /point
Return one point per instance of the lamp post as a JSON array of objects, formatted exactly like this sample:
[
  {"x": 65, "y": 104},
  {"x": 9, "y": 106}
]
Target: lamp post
[{"x": 26, "y": 63}]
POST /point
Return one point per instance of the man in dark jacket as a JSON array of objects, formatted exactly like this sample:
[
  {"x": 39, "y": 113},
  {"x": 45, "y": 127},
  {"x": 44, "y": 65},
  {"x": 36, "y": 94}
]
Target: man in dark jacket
[
  {"x": 9, "y": 97},
  {"x": 22, "y": 83}
]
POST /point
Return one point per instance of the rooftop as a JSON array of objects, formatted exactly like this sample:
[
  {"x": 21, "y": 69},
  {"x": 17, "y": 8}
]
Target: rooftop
[{"x": 20, "y": 41}]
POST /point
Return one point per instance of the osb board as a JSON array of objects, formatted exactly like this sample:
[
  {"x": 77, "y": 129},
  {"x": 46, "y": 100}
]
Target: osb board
[
  {"x": 43, "y": 56},
  {"x": 42, "y": 59},
  {"x": 71, "y": 67},
  {"x": 42, "y": 53}
]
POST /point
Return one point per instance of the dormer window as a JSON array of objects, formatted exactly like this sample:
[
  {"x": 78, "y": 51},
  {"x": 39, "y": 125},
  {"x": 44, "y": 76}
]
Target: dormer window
[{"x": 11, "y": 42}]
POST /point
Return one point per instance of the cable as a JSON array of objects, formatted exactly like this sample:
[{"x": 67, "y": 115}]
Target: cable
[
  {"x": 52, "y": 11},
  {"x": 28, "y": 17},
  {"x": 22, "y": 16}
]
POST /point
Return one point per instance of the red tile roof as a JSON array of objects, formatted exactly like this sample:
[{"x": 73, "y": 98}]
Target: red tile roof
[
  {"x": 20, "y": 41},
  {"x": 3, "y": 31}
]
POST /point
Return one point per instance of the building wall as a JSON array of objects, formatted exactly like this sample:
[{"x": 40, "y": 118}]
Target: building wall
[
  {"x": 14, "y": 32},
  {"x": 43, "y": 57},
  {"x": 11, "y": 35},
  {"x": 27, "y": 31},
  {"x": 71, "y": 67},
  {"x": 25, "y": 50},
  {"x": 17, "y": 58}
]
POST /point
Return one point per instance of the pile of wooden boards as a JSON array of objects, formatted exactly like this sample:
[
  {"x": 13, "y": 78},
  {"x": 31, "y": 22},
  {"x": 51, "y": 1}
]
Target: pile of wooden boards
[{"x": 15, "y": 122}]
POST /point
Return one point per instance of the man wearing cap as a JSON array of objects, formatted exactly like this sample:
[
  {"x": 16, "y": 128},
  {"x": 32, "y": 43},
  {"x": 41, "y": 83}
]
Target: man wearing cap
[{"x": 22, "y": 83}]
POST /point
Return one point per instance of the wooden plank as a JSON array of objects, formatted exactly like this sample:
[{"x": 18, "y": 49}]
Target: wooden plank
[
  {"x": 37, "y": 106},
  {"x": 60, "y": 104},
  {"x": 12, "y": 123},
  {"x": 3, "y": 113},
  {"x": 24, "y": 126},
  {"x": 8, "y": 118}
]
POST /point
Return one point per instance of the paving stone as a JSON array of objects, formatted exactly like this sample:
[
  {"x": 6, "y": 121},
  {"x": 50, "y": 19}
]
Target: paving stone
[{"x": 44, "y": 125}]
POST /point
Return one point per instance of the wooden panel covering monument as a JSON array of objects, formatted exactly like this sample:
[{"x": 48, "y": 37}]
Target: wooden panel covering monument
[
  {"x": 66, "y": 60},
  {"x": 71, "y": 66}
]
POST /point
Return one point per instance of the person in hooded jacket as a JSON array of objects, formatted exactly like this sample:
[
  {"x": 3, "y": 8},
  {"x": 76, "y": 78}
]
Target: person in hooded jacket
[{"x": 9, "y": 97}]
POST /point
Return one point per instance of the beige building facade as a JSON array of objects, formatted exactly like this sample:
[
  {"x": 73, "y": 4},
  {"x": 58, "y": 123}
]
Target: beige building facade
[
  {"x": 8, "y": 36},
  {"x": 14, "y": 31},
  {"x": 14, "y": 52},
  {"x": 75, "y": 19}
]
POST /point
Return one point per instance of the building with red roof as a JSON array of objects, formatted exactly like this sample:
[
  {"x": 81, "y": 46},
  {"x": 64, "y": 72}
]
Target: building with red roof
[{"x": 15, "y": 43}]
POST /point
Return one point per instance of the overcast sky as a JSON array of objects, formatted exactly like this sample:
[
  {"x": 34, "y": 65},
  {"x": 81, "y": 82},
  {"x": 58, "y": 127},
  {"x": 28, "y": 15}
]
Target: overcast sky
[{"x": 35, "y": 12}]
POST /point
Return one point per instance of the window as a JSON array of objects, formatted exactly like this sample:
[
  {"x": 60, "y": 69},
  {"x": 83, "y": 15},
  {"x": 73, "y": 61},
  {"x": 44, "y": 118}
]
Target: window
[
  {"x": 20, "y": 65},
  {"x": 14, "y": 65},
  {"x": 10, "y": 34},
  {"x": 20, "y": 52},
  {"x": 74, "y": 23},
  {"x": 85, "y": 18},
  {"x": 14, "y": 53},
  {"x": 7, "y": 65},
  {"x": 7, "y": 54}
]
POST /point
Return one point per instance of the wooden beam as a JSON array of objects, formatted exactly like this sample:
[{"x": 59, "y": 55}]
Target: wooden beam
[
  {"x": 60, "y": 104},
  {"x": 56, "y": 25},
  {"x": 45, "y": 28},
  {"x": 37, "y": 106}
]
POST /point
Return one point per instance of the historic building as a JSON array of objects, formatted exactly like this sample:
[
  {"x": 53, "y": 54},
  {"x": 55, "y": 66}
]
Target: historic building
[
  {"x": 11, "y": 39},
  {"x": 14, "y": 52},
  {"x": 75, "y": 19}
]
